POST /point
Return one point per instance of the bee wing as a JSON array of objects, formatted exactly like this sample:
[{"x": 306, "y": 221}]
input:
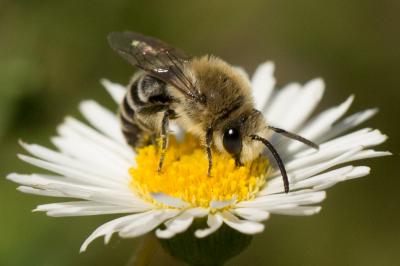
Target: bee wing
[{"x": 156, "y": 58}]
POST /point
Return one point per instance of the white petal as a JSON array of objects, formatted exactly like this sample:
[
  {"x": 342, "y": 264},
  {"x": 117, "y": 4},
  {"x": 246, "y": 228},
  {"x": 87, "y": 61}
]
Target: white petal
[
  {"x": 271, "y": 202},
  {"x": 116, "y": 90},
  {"x": 306, "y": 101},
  {"x": 306, "y": 172},
  {"x": 84, "y": 208},
  {"x": 102, "y": 119},
  {"x": 61, "y": 159},
  {"x": 39, "y": 192},
  {"x": 298, "y": 210},
  {"x": 80, "y": 141},
  {"x": 214, "y": 222},
  {"x": 365, "y": 154},
  {"x": 284, "y": 98},
  {"x": 111, "y": 227},
  {"x": 332, "y": 149},
  {"x": 94, "y": 156},
  {"x": 100, "y": 195},
  {"x": 61, "y": 205},
  {"x": 176, "y": 226},
  {"x": 71, "y": 173},
  {"x": 243, "y": 226},
  {"x": 312, "y": 159},
  {"x": 322, "y": 123},
  {"x": 364, "y": 137},
  {"x": 300, "y": 197},
  {"x": 112, "y": 145},
  {"x": 263, "y": 83},
  {"x": 348, "y": 123},
  {"x": 168, "y": 200},
  {"x": 218, "y": 204},
  {"x": 181, "y": 222},
  {"x": 317, "y": 168},
  {"x": 67, "y": 188},
  {"x": 322, "y": 180},
  {"x": 250, "y": 214},
  {"x": 197, "y": 212},
  {"x": 358, "y": 171},
  {"x": 336, "y": 175},
  {"x": 147, "y": 224},
  {"x": 42, "y": 181}
]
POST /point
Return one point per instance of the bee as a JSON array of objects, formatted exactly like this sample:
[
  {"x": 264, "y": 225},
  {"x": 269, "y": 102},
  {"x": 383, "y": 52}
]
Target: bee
[{"x": 205, "y": 96}]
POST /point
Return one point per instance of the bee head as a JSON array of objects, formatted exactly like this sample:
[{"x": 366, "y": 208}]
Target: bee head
[{"x": 235, "y": 136}]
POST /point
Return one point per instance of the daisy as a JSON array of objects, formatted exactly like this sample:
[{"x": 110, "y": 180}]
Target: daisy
[{"x": 93, "y": 165}]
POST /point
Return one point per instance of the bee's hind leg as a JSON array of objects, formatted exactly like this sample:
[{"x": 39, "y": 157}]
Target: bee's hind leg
[
  {"x": 209, "y": 135},
  {"x": 164, "y": 138}
]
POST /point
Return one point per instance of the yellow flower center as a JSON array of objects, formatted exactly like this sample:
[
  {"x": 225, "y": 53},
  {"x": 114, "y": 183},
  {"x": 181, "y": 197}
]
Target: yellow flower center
[{"x": 184, "y": 175}]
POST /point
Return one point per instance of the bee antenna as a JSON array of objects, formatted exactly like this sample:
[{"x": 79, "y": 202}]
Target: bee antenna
[
  {"x": 277, "y": 159},
  {"x": 295, "y": 137}
]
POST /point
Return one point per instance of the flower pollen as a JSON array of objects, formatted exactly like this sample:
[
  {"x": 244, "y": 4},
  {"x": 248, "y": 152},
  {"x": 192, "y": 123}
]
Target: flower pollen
[{"x": 184, "y": 175}]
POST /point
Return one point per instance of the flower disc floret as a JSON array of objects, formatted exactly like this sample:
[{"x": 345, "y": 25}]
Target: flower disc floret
[{"x": 184, "y": 175}]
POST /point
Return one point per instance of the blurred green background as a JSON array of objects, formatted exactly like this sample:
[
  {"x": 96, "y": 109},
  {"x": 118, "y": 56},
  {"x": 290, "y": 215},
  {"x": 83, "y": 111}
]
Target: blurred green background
[{"x": 53, "y": 53}]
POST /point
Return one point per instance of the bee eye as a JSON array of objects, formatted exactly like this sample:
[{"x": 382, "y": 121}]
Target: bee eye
[{"x": 232, "y": 141}]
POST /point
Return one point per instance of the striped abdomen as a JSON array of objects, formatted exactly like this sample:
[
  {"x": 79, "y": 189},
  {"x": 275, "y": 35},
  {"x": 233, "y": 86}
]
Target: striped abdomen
[{"x": 141, "y": 109}]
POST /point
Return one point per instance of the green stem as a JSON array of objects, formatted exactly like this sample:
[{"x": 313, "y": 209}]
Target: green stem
[
  {"x": 143, "y": 255},
  {"x": 213, "y": 250},
  {"x": 206, "y": 264}
]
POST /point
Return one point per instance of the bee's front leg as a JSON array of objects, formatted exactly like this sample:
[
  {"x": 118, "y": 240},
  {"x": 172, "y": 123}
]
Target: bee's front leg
[
  {"x": 209, "y": 135},
  {"x": 164, "y": 137}
]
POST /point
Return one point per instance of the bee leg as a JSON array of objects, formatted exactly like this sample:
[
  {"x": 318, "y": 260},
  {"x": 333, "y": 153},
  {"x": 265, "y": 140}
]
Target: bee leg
[
  {"x": 238, "y": 163},
  {"x": 209, "y": 134},
  {"x": 164, "y": 138}
]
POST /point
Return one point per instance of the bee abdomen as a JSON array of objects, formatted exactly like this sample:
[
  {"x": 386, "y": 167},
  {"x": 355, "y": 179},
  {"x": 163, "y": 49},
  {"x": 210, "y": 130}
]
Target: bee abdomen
[
  {"x": 145, "y": 92},
  {"x": 132, "y": 132}
]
